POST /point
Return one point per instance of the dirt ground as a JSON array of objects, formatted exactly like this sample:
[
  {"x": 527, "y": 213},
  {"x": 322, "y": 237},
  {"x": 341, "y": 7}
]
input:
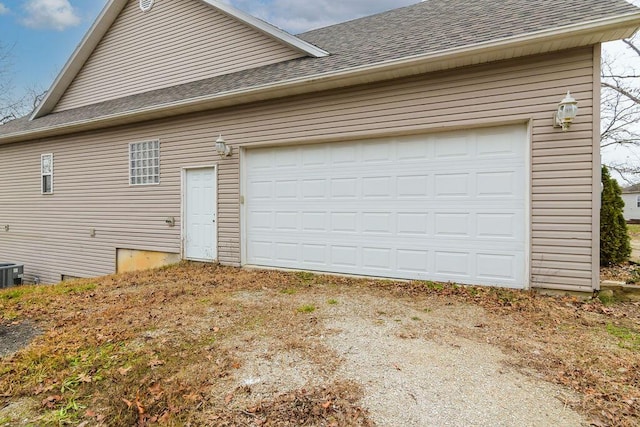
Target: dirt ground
[
  {"x": 206, "y": 345},
  {"x": 15, "y": 335}
]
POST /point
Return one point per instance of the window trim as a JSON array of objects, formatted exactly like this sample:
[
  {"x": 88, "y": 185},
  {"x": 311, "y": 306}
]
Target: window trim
[
  {"x": 638, "y": 201},
  {"x": 42, "y": 174},
  {"x": 131, "y": 144}
]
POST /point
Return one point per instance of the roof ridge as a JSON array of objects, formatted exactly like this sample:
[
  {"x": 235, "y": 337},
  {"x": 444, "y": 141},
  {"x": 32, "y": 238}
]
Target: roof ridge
[{"x": 350, "y": 21}]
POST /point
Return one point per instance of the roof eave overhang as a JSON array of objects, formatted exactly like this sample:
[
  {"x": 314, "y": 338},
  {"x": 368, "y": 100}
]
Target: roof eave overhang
[{"x": 591, "y": 33}]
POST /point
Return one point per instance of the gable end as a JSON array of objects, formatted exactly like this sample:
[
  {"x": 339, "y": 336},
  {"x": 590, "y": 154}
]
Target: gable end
[{"x": 178, "y": 41}]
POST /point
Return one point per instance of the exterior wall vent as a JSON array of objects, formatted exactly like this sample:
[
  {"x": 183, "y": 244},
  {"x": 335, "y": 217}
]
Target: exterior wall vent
[{"x": 146, "y": 5}]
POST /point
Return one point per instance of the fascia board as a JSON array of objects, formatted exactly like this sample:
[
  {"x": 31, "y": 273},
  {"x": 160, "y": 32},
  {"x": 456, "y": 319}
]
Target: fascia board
[{"x": 269, "y": 29}]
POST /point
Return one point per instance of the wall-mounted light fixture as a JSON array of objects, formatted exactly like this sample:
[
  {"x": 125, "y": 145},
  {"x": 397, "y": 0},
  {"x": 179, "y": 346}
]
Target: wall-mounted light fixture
[
  {"x": 222, "y": 148},
  {"x": 567, "y": 111}
]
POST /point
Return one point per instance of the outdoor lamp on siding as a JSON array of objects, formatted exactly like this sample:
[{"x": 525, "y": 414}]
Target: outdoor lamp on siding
[
  {"x": 567, "y": 111},
  {"x": 222, "y": 148}
]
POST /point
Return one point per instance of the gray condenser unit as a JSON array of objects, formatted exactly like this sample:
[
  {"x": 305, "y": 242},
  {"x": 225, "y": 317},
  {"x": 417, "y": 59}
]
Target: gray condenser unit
[{"x": 11, "y": 274}]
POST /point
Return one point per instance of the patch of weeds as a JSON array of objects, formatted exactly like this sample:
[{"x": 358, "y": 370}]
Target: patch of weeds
[
  {"x": 628, "y": 338},
  {"x": 427, "y": 310},
  {"x": 70, "y": 370},
  {"x": 13, "y": 294},
  {"x": 332, "y": 301},
  {"x": 305, "y": 276},
  {"x": 69, "y": 413},
  {"x": 416, "y": 318},
  {"x": 433, "y": 286},
  {"x": 289, "y": 291},
  {"x": 5, "y": 420},
  {"x": 607, "y": 298},
  {"x": 308, "y": 308}
]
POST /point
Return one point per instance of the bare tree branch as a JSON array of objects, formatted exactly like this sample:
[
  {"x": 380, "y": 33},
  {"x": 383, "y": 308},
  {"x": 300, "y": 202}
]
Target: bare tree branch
[
  {"x": 632, "y": 45},
  {"x": 620, "y": 108},
  {"x": 620, "y": 77},
  {"x": 623, "y": 91},
  {"x": 11, "y": 105}
]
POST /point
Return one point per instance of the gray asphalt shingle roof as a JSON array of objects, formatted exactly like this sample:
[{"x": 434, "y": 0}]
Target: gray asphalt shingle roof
[
  {"x": 631, "y": 189},
  {"x": 427, "y": 27}
]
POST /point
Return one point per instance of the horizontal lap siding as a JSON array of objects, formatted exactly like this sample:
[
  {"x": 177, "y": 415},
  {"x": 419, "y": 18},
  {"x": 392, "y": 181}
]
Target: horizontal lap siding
[
  {"x": 93, "y": 193},
  {"x": 196, "y": 42}
]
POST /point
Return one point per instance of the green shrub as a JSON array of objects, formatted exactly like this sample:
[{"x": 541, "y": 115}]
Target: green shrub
[{"x": 615, "y": 247}]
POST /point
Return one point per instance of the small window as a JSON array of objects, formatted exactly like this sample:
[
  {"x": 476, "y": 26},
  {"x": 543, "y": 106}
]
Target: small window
[
  {"x": 638, "y": 201},
  {"x": 144, "y": 163},
  {"x": 46, "y": 171}
]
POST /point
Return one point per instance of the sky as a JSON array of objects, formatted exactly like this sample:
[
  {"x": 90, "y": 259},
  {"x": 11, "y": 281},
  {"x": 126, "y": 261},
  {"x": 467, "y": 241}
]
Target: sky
[{"x": 40, "y": 35}]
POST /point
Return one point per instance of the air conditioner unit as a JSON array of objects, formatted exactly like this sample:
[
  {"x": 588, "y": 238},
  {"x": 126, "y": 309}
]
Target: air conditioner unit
[{"x": 11, "y": 274}]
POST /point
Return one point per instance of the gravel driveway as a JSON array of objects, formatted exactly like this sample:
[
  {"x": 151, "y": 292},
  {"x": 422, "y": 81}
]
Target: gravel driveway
[{"x": 413, "y": 367}]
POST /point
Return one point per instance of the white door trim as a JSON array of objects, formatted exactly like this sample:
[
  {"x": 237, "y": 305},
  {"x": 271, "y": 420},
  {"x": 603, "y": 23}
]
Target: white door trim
[
  {"x": 183, "y": 195},
  {"x": 528, "y": 205},
  {"x": 243, "y": 206}
]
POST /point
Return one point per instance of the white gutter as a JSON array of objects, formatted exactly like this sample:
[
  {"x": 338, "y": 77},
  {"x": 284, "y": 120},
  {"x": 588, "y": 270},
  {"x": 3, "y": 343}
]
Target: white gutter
[{"x": 323, "y": 81}]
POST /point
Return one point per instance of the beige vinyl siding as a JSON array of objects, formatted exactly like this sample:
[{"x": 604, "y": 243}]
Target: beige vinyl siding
[
  {"x": 195, "y": 42},
  {"x": 91, "y": 187}
]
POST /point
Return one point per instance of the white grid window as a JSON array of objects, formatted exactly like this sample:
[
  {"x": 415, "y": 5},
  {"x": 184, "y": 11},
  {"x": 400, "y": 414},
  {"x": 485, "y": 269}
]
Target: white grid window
[
  {"x": 144, "y": 163},
  {"x": 638, "y": 201},
  {"x": 46, "y": 172}
]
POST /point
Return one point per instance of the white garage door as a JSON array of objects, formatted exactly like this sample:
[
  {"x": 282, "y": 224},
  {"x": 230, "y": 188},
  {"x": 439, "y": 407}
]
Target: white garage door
[{"x": 442, "y": 207}]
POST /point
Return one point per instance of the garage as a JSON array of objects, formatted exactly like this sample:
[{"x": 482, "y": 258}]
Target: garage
[{"x": 449, "y": 206}]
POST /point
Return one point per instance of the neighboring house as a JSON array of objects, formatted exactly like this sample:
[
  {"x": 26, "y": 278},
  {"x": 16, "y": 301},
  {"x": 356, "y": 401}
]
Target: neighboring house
[
  {"x": 631, "y": 198},
  {"x": 417, "y": 143}
]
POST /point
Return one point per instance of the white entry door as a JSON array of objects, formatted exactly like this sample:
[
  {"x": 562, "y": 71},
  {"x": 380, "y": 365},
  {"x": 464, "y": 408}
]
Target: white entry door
[
  {"x": 445, "y": 206},
  {"x": 200, "y": 207}
]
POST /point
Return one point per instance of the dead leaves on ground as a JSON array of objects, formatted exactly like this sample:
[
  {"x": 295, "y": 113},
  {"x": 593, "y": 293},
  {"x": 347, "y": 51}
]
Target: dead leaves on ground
[
  {"x": 124, "y": 342},
  {"x": 335, "y": 405}
]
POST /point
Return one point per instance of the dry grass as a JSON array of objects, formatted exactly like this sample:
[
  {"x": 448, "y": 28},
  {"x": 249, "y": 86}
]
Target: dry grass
[
  {"x": 634, "y": 231},
  {"x": 162, "y": 347}
]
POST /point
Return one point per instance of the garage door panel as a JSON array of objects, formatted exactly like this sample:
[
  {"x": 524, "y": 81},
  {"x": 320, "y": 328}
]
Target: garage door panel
[
  {"x": 491, "y": 266},
  {"x": 420, "y": 207},
  {"x": 452, "y": 146},
  {"x": 479, "y": 225},
  {"x": 493, "y": 184},
  {"x": 413, "y": 261}
]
